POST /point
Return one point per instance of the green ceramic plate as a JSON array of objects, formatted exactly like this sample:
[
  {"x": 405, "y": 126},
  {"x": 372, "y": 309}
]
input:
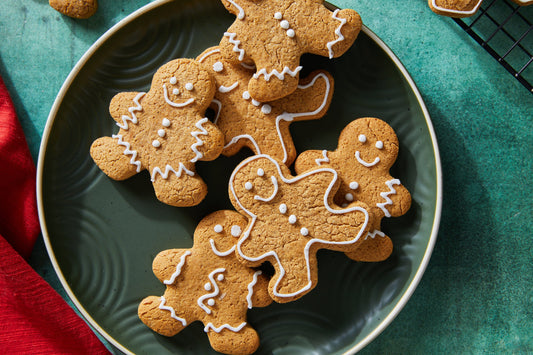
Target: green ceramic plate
[{"x": 102, "y": 235}]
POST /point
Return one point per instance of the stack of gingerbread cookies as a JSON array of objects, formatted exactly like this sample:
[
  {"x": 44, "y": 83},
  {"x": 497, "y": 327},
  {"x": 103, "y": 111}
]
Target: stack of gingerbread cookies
[{"x": 336, "y": 200}]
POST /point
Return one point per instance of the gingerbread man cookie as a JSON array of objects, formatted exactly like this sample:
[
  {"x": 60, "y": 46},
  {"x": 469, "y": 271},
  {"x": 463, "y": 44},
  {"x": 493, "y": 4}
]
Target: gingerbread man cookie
[
  {"x": 290, "y": 219},
  {"x": 207, "y": 283},
  {"x": 455, "y": 8},
  {"x": 262, "y": 127},
  {"x": 80, "y": 9},
  {"x": 273, "y": 34},
  {"x": 368, "y": 147},
  {"x": 165, "y": 132}
]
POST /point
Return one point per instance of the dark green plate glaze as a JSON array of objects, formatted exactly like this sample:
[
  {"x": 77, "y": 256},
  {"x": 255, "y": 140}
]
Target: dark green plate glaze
[{"x": 102, "y": 235}]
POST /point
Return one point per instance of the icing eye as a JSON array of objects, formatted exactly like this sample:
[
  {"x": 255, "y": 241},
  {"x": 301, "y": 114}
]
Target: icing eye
[
  {"x": 176, "y": 91},
  {"x": 260, "y": 172},
  {"x": 166, "y": 122},
  {"x": 283, "y": 208},
  {"x": 379, "y": 144},
  {"x": 218, "y": 228},
  {"x": 354, "y": 185},
  {"x": 173, "y": 80},
  {"x": 236, "y": 231},
  {"x": 304, "y": 231},
  {"x": 248, "y": 185},
  {"x": 189, "y": 86},
  {"x": 220, "y": 277},
  {"x": 218, "y": 67},
  {"x": 362, "y": 138},
  {"x": 292, "y": 219},
  {"x": 348, "y": 197}
]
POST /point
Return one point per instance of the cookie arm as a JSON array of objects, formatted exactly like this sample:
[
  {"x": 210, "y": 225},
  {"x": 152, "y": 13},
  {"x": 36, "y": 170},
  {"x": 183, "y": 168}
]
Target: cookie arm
[
  {"x": 169, "y": 264},
  {"x": 310, "y": 159},
  {"x": 124, "y": 108}
]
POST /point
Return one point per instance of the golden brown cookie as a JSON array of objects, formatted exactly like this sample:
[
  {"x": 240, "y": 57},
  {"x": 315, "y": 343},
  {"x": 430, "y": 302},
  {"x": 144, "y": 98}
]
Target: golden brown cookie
[
  {"x": 367, "y": 149},
  {"x": 455, "y": 8},
  {"x": 273, "y": 34},
  {"x": 262, "y": 127},
  {"x": 289, "y": 219},
  {"x": 207, "y": 283},
  {"x": 165, "y": 132},
  {"x": 81, "y": 9}
]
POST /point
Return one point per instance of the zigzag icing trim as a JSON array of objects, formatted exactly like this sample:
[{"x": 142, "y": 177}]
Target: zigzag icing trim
[
  {"x": 374, "y": 233},
  {"x": 277, "y": 74},
  {"x": 172, "y": 311},
  {"x": 386, "y": 194},
  {"x": 128, "y": 151},
  {"x": 178, "y": 269},
  {"x": 240, "y": 16},
  {"x": 169, "y": 169},
  {"x": 251, "y": 288},
  {"x": 325, "y": 158},
  {"x": 224, "y": 326},
  {"x": 340, "y": 37},
  {"x": 199, "y": 142},
  {"x": 236, "y": 43},
  {"x": 138, "y": 107}
]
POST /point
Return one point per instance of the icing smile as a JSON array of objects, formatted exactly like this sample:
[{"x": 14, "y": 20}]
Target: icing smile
[
  {"x": 175, "y": 104},
  {"x": 274, "y": 193},
  {"x": 362, "y": 162}
]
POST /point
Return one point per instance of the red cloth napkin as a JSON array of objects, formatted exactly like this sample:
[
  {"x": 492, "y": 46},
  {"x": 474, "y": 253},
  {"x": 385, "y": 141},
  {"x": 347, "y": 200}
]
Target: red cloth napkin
[{"x": 34, "y": 319}]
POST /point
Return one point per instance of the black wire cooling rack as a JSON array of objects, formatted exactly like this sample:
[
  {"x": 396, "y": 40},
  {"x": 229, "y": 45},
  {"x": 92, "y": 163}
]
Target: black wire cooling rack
[{"x": 504, "y": 29}]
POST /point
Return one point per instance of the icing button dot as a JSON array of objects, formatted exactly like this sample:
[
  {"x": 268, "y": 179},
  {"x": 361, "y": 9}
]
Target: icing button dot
[
  {"x": 176, "y": 91},
  {"x": 260, "y": 172},
  {"x": 218, "y": 228},
  {"x": 283, "y": 208},
  {"x": 292, "y": 219},
  {"x": 173, "y": 80},
  {"x": 211, "y": 302},
  {"x": 255, "y": 103},
  {"x": 189, "y": 86},
  {"x": 207, "y": 287},
  {"x": 284, "y": 24},
  {"x": 220, "y": 277},
  {"x": 348, "y": 197},
  {"x": 156, "y": 143},
  {"x": 218, "y": 67},
  {"x": 236, "y": 231},
  {"x": 344, "y": 205},
  {"x": 166, "y": 122},
  {"x": 291, "y": 33},
  {"x": 379, "y": 144},
  {"x": 304, "y": 231},
  {"x": 246, "y": 95},
  {"x": 266, "y": 109},
  {"x": 362, "y": 138},
  {"x": 278, "y": 16},
  {"x": 354, "y": 185},
  {"x": 161, "y": 133},
  {"x": 248, "y": 185}
]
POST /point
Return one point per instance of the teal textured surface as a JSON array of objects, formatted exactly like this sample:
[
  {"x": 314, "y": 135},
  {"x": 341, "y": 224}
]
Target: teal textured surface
[{"x": 476, "y": 294}]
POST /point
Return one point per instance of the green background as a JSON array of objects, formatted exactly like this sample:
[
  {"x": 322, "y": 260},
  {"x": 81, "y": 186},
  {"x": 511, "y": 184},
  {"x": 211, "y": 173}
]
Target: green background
[{"x": 476, "y": 295}]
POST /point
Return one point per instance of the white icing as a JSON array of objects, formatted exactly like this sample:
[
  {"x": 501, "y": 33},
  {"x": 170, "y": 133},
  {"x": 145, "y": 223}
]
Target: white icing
[
  {"x": 178, "y": 268},
  {"x": 266, "y": 109},
  {"x": 218, "y": 228},
  {"x": 207, "y": 286},
  {"x": 176, "y": 91},
  {"x": 255, "y": 103},
  {"x": 246, "y": 95},
  {"x": 218, "y": 67},
  {"x": 386, "y": 195},
  {"x": 202, "y": 58},
  {"x": 354, "y": 185},
  {"x": 172, "y": 311},
  {"x": 348, "y": 197},
  {"x": 173, "y": 80},
  {"x": 156, "y": 143},
  {"x": 248, "y": 185},
  {"x": 277, "y": 74},
  {"x": 236, "y": 44},
  {"x": 211, "y": 294},
  {"x": 304, "y": 231},
  {"x": 278, "y": 16},
  {"x": 362, "y": 162},
  {"x": 199, "y": 142},
  {"x": 244, "y": 136},
  {"x": 260, "y": 172},
  {"x": 161, "y": 133},
  {"x": 340, "y": 37},
  {"x": 225, "y": 89},
  {"x": 219, "y": 108},
  {"x": 236, "y": 231},
  {"x": 274, "y": 193},
  {"x": 459, "y": 12},
  {"x": 240, "y": 16},
  {"x": 292, "y": 219},
  {"x": 166, "y": 122},
  {"x": 218, "y": 252},
  {"x": 189, "y": 86},
  {"x": 283, "y": 208},
  {"x": 128, "y": 151},
  {"x": 220, "y": 277},
  {"x": 169, "y": 169},
  {"x": 284, "y": 24},
  {"x": 224, "y": 326},
  {"x": 133, "y": 119},
  {"x": 374, "y": 233},
  {"x": 291, "y": 33},
  {"x": 362, "y": 138},
  {"x": 174, "y": 104},
  {"x": 211, "y": 302},
  {"x": 251, "y": 288},
  {"x": 379, "y": 144},
  {"x": 325, "y": 158},
  {"x": 311, "y": 241}
]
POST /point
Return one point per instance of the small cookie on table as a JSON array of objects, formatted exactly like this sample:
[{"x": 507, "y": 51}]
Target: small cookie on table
[{"x": 80, "y": 9}]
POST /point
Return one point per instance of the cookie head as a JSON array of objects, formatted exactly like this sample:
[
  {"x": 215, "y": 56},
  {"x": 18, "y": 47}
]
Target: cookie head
[
  {"x": 220, "y": 231},
  {"x": 184, "y": 83},
  {"x": 370, "y": 142}
]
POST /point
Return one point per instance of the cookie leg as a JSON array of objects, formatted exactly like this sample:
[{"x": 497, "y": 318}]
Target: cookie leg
[
  {"x": 159, "y": 316},
  {"x": 115, "y": 160},
  {"x": 270, "y": 84},
  {"x": 373, "y": 249},
  {"x": 227, "y": 341},
  {"x": 182, "y": 191}
]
